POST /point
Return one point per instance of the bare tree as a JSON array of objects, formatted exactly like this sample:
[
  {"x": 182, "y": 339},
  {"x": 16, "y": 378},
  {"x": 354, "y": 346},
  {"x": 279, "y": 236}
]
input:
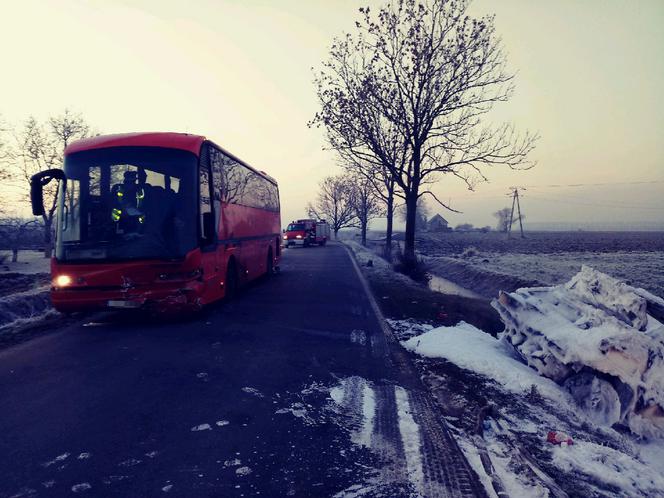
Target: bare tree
[
  {"x": 366, "y": 142},
  {"x": 503, "y": 216},
  {"x": 422, "y": 217},
  {"x": 366, "y": 203},
  {"x": 40, "y": 147},
  {"x": 12, "y": 234},
  {"x": 432, "y": 72},
  {"x": 335, "y": 203}
]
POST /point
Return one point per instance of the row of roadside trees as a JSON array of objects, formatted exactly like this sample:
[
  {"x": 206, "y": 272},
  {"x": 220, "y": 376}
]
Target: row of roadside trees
[
  {"x": 404, "y": 99},
  {"x": 25, "y": 150}
]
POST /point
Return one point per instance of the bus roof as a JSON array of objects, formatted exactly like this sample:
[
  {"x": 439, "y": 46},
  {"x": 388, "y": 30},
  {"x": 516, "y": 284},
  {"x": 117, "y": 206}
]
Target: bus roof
[{"x": 182, "y": 141}]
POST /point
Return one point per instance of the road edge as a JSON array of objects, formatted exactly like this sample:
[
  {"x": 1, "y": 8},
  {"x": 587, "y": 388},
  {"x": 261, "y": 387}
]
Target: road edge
[{"x": 475, "y": 487}]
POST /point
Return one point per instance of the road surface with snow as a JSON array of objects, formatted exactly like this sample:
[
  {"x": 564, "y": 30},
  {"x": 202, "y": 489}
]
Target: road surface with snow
[{"x": 293, "y": 389}]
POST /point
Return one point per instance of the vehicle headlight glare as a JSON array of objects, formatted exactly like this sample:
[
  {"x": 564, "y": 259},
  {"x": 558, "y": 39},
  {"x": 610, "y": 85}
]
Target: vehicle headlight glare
[
  {"x": 298, "y": 236},
  {"x": 63, "y": 281}
]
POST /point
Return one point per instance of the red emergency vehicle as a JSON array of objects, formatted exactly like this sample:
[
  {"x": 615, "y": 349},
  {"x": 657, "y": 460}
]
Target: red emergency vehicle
[
  {"x": 306, "y": 232},
  {"x": 163, "y": 221}
]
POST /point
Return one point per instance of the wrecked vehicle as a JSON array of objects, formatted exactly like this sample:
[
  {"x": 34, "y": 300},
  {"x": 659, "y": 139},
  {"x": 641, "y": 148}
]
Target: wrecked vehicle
[{"x": 601, "y": 339}]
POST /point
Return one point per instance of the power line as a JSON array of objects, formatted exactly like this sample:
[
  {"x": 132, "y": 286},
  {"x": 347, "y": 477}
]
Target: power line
[
  {"x": 593, "y": 204},
  {"x": 598, "y": 184}
]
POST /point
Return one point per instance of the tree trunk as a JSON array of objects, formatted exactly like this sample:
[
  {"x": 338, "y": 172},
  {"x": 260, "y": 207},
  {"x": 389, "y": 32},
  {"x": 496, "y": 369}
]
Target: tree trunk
[
  {"x": 390, "y": 220},
  {"x": 48, "y": 240},
  {"x": 364, "y": 223},
  {"x": 14, "y": 254},
  {"x": 336, "y": 230},
  {"x": 411, "y": 221}
]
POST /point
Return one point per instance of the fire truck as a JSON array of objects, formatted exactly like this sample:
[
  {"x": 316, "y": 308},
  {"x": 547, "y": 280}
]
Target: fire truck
[{"x": 306, "y": 232}]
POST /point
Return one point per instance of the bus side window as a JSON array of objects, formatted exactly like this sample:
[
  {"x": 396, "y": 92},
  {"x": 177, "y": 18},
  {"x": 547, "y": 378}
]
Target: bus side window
[
  {"x": 205, "y": 206},
  {"x": 216, "y": 161}
]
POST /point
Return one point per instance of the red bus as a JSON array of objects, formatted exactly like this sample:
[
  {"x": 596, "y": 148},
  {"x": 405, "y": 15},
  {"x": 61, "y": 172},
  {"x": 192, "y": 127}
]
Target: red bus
[{"x": 158, "y": 221}]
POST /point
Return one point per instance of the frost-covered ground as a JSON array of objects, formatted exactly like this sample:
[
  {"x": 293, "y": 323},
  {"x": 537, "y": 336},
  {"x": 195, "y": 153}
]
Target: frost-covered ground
[
  {"x": 24, "y": 299},
  {"x": 641, "y": 269},
  {"x": 28, "y": 262},
  {"x": 601, "y": 462},
  {"x": 471, "y": 373}
]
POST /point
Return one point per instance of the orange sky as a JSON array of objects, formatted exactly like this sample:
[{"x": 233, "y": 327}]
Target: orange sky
[{"x": 590, "y": 77}]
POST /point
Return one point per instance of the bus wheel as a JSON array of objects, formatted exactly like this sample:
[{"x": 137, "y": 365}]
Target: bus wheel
[
  {"x": 231, "y": 281},
  {"x": 269, "y": 265}
]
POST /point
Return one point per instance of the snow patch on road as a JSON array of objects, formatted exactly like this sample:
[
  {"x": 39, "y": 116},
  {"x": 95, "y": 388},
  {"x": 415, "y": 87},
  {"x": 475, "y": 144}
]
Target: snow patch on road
[
  {"x": 80, "y": 488},
  {"x": 363, "y": 436},
  {"x": 57, "y": 459},
  {"x": 253, "y": 391},
  {"x": 201, "y": 427},
  {"x": 243, "y": 471},
  {"x": 356, "y": 397},
  {"x": 222, "y": 423},
  {"x": 410, "y": 437},
  {"x": 358, "y": 337}
]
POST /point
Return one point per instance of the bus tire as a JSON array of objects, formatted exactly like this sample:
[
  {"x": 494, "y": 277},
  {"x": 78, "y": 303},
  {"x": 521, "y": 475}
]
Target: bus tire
[
  {"x": 231, "y": 281},
  {"x": 269, "y": 265}
]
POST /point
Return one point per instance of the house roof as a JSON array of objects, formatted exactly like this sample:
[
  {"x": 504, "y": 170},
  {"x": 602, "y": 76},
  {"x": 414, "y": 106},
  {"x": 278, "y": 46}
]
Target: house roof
[{"x": 437, "y": 217}]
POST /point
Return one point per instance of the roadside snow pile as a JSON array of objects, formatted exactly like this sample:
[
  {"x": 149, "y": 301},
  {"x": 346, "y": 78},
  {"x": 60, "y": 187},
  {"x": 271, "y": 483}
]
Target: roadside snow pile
[
  {"x": 23, "y": 308},
  {"x": 470, "y": 348},
  {"x": 373, "y": 263},
  {"x": 596, "y": 336}
]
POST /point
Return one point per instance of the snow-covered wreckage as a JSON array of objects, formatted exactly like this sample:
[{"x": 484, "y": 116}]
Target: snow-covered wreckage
[{"x": 601, "y": 339}]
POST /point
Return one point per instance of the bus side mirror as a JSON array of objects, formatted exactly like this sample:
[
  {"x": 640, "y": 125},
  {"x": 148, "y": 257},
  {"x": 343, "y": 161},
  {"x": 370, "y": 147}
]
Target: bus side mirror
[
  {"x": 37, "y": 183},
  {"x": 208, "y": 228}
]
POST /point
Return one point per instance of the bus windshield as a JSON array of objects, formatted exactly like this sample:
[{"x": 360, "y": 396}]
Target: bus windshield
[{"x": 123, "y": 203}]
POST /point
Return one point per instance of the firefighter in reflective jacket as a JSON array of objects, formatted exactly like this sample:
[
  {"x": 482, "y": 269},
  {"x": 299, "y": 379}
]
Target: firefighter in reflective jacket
[{"x": 128, "y": 198}]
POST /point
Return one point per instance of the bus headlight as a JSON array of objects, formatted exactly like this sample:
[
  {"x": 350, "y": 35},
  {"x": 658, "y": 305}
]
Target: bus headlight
[
  {"x": 62, "y": 280},
  {"x": 285, "y": 237}
]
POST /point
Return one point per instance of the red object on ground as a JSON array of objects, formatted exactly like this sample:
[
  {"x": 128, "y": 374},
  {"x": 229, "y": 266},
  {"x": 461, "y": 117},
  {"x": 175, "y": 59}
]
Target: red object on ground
[{"x": 554, "y": 437}]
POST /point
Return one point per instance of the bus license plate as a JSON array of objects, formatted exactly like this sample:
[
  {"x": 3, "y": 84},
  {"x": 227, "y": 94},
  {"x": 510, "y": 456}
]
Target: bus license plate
[{"x": 124, "y": 304}]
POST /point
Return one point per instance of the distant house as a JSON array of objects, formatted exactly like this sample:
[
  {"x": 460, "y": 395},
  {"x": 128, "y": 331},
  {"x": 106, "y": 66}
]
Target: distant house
[{"x": 437, "y": 224}]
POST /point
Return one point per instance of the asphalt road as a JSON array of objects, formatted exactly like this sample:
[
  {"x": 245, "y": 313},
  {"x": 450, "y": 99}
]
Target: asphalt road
[{"x": 293, "y": 389}]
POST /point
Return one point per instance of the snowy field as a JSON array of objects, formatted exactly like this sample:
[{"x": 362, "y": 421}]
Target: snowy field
[
  {"x": 24, "y": 298},
  {"x": 546, "y": 258},
  {"x": 28, "y": 262},
  {"x": 455, "y": 243},
  {"x": 642, "y": 269}
]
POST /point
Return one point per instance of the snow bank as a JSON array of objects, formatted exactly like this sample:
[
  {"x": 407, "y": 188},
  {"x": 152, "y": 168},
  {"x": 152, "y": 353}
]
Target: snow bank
[
  {"x": 24, "y": 307},
  {"x": 472, "y": 349},
  {"x": 595, "y": 336}
]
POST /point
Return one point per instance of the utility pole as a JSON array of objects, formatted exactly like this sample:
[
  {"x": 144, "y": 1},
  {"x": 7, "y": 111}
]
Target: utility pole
[{"x": 515, "y": 202}]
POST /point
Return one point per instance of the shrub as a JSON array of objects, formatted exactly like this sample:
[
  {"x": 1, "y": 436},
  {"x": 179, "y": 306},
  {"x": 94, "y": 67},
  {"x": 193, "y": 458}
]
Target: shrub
[
  {"x": 469, "y": 252},
  {"x": 416, "y": 270}
]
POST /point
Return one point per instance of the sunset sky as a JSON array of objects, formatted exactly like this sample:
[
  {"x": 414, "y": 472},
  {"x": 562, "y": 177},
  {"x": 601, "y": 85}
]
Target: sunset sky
[{"x": 590, "y": 81}]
